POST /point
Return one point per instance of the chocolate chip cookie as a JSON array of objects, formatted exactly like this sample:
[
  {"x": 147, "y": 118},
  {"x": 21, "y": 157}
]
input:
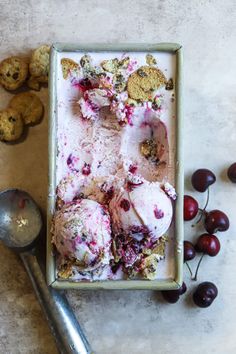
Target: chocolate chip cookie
[
  {"x": 13, "y": 73},
  {"x": 144, "y": 81},
  {"x": 39, "y": 64},
  {"x": 29, "y": 106},
  {"x": 11, "y": 125}
]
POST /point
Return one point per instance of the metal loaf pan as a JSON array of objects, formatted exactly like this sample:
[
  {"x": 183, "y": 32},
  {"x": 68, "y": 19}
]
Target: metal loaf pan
[{"x": 163, "y": 284}]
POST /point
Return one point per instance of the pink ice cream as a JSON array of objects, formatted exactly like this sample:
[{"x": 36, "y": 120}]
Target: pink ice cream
[
  {"x": 82, "y": 232},
  {"x": 141, "y": 209},
  {"x": 103, "y": 161},
  {"x": 92, "y": 101}
]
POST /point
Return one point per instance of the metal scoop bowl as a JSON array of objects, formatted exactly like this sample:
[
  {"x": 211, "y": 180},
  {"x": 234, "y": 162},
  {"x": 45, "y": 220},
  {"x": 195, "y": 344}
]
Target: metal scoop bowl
[
  {"x": 20, "y": 227},
  {"x": 20, "y": 220}
]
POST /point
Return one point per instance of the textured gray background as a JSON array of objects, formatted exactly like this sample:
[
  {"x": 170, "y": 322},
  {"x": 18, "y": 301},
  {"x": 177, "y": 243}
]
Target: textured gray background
[{"x": 132, "y": 322}]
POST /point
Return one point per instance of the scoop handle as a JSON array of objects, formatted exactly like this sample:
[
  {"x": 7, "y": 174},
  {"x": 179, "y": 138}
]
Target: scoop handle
[{"x": 61, "y": 319}]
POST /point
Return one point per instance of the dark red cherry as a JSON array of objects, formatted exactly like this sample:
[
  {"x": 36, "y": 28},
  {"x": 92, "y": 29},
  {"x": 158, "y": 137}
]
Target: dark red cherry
[
  {"x": 202, "y": 179},
  {"x": 172, "y": 296},
  {"x": 232, "y": 173},
  {"x": 205, "y": 294},
  {"x": 215, "y": 221},
  {"x": 208, "y": 244},
  {"x": 182, "y": 289},
  {"x": 190, "y": 207},
  {"x": 189, "y": 251}
]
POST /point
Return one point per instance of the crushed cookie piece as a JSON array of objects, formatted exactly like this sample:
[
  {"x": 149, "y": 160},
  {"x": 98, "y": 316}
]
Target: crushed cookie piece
[
  {"x": 120, "y": 87},
  {"x": 146, "y": 148},
  {"x": 160, "y": 247},
  {"x": 170, "y": 85},
  {"x": 150, "y": 60},
  {"x": 119, "y": 82},
  {"x": 65, "y": 270},
  {"x": 85, "y": 60},
  {"x": 147, "y": 251},
  {"x": 123, "y": 63},
  {"x": 149, "y": 150},
  {"x": 110, "y": 65},
  {"x": 131, "y": 272},
  {"x": 68, "y": 65},
  {"x": 150, "y": 264}
]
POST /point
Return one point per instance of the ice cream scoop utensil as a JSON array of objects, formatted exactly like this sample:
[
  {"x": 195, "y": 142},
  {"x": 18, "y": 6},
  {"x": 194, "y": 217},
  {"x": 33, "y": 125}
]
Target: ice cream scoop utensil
[{"x": 20, "y": 226}]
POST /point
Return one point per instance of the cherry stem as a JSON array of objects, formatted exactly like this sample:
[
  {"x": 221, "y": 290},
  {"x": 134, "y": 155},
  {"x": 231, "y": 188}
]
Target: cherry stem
[
  {"x": 207, "y": 201},
  {"x": 204, "y": 209},
  {"x": 196, "y": 273},
  {"x": 190, "y": 270}
]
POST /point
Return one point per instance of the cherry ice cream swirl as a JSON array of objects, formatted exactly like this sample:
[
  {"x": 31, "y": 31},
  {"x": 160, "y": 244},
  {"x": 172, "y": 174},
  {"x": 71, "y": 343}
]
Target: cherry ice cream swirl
[
  {"x": 144, "y": 209},
  {"x": 82, "y": 233}
]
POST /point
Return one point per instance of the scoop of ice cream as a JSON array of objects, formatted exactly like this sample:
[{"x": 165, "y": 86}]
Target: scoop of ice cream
[
  {"x": 82, "y": 232},
  {"x": 141, "y": 209}
]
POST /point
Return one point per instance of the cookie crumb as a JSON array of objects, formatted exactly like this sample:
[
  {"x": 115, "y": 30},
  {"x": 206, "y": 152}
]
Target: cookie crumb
[
  {"x": 68, "y": 65},
  {"x": 85, "y": 61},
  {"x": 170, "y": 85},
  {"x": 148, "y": 149},
  {"x": 150, "y": 60},
  {"x": 110, "y": 65},
  {"x": 65, "y": 271}
]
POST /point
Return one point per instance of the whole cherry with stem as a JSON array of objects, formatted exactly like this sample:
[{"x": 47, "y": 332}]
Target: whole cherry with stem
[
  {"x": 189, "y": 254},
  {"x": 202, "y": 179},
  {"x": 207, "y": 244},
  {"x": 190, "y": 208},
  {"x": 216, "y": 220}
]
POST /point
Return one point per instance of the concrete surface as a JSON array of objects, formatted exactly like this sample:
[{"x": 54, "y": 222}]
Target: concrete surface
[{"x": 132, "y": 322}]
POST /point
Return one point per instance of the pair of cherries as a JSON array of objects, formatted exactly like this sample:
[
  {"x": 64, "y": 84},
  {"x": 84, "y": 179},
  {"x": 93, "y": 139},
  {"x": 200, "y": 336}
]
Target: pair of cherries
[{"x": 203, "y": 296}]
